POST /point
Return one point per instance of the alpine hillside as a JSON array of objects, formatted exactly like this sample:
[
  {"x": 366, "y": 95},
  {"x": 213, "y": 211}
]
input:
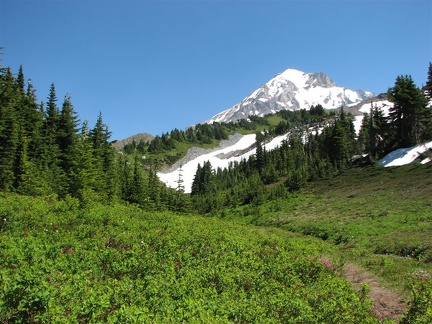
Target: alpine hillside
[{"x": 293, "y": 90}]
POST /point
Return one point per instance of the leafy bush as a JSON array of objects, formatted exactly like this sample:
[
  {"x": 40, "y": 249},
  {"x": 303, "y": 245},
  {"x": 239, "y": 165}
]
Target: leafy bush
[{"x": 61, "y": 263}]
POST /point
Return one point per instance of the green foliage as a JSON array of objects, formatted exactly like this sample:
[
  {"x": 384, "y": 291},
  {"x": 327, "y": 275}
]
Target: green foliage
[
  {"x": 61, "y": 263},
  {"x": 428, "y": 86},
  {"x": 420, "y": 310},
  {"x": 410, "y": 118},
  {"x": 41, "y": 151},
  {"x": 44, "y": 151}
]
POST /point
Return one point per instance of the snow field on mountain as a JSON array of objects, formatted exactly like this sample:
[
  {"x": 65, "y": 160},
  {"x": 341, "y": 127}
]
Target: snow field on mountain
[
  {"x": 217, "y": 160},
  {"x": 189, "y": 167}
]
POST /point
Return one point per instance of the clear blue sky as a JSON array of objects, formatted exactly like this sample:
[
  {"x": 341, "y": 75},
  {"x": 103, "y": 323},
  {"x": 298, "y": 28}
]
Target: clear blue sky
[{"x": 152, "y": 66}]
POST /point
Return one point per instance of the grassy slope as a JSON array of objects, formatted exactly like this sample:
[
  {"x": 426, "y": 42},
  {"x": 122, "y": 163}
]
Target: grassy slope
[
  {"x": 117, "y": 264},
  {"x": 379, "y": 218}
]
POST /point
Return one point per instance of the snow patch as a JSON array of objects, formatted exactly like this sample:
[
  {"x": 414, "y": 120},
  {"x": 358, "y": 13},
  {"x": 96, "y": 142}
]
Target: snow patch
[
  {"x": 275, "y": 142},
  {"x": 384, "y": 105},
  {"x": 404, "y": 156},
  {"x": 358, "y": 123}
]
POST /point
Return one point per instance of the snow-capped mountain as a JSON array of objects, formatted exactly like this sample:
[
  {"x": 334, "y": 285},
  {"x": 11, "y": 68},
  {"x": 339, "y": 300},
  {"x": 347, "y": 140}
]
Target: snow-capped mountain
[{"x": 292, "y": 90}]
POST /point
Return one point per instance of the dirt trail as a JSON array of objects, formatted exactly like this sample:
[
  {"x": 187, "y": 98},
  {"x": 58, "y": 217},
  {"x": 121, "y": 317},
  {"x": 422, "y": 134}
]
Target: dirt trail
[{"x": 386, "y": 303}]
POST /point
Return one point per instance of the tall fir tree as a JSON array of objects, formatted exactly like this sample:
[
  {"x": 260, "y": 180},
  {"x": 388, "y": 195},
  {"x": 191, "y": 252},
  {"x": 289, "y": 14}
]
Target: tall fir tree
[
  {"x": 408, "y": 115},
  {"x": 52, "y": 170},
  {"x": 20, "y": 81},
  {"x": 428, "y": 86},
  {"x": 34, "y": 121},
  {"x": 52, "y": 114},
  {"x": 67, "y": 140},
  {"x": 20, "y": 163},
  {"x": 181, "y": 202},
  {"x": 9, "y": 127},
  {"x": 137, "y": 187},
  {"x": 103, "y": 153}
]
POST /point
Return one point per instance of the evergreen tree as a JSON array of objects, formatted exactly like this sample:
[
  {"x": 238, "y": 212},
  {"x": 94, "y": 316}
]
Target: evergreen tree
[
  {"x": 428, "y": 87},
  {"x": 33, "y": 124},
  {"x": 52, "y": 114},
  {"x": 364, "y": 134},
  {"x": 20, "y": 163},
  {"x": 426, "y": 117},
  {"x": 155, "y": 191},
  {"x": 260, "y": 157},
  {"x": 20, "y": 81},
  {"x": 196, "y": 183},
  {"x": 339, "y": 146},
  {"x": 181, "y": 200},
  {"x": 203, "y": 180},
  {"x": 82, "y": 177},
  {"x": 379, "y": 133},
  {"x": 67, "y": 138},
  {"x": 8, "y": 146},
  {"x": 9, "y": 128},
  {"x": 408, "y": 117},
  {"x": 137, "y": 190},
  {"x": 103, "y": 154},
  {"x": 50, "y": 160},
  {"x": 141, "y": 147},
  {"x": 156, "y": 145}
]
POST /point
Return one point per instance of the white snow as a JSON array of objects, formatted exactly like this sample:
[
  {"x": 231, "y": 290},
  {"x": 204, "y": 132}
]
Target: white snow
[
  {"x": 357, "y": 123},
  {"x": 189, "y": 168},
  {"x": 275, "y": 142},
  {"x": 297, "y": 77},
  {"x": 427, "y": 160},
  {"x": 384, "y": 105},
  {"x": 405, "y": 155}
]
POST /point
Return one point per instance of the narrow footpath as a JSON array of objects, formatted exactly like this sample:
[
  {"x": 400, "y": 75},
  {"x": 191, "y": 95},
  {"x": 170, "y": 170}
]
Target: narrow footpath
[{"x": 386, "y": 303}]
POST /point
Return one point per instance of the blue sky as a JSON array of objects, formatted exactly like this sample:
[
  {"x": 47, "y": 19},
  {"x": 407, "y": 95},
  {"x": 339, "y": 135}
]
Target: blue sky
[{"x": 152, "y": 66}]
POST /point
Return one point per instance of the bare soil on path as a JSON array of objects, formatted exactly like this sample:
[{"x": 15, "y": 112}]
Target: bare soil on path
[{"x": 386, "y": 303}]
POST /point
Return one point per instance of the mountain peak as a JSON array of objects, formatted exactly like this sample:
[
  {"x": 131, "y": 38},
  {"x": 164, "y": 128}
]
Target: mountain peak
[
  {"x": 293, "y": 75},
  {"x": 304, "y": 79},
  {"x": 320, "y": 79},
  {"x": 292, "y": 90}
]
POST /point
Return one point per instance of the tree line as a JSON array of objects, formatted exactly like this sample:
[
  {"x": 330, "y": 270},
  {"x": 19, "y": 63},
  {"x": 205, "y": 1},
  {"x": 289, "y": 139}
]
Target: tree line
[{"x": 46, "y": 150}]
